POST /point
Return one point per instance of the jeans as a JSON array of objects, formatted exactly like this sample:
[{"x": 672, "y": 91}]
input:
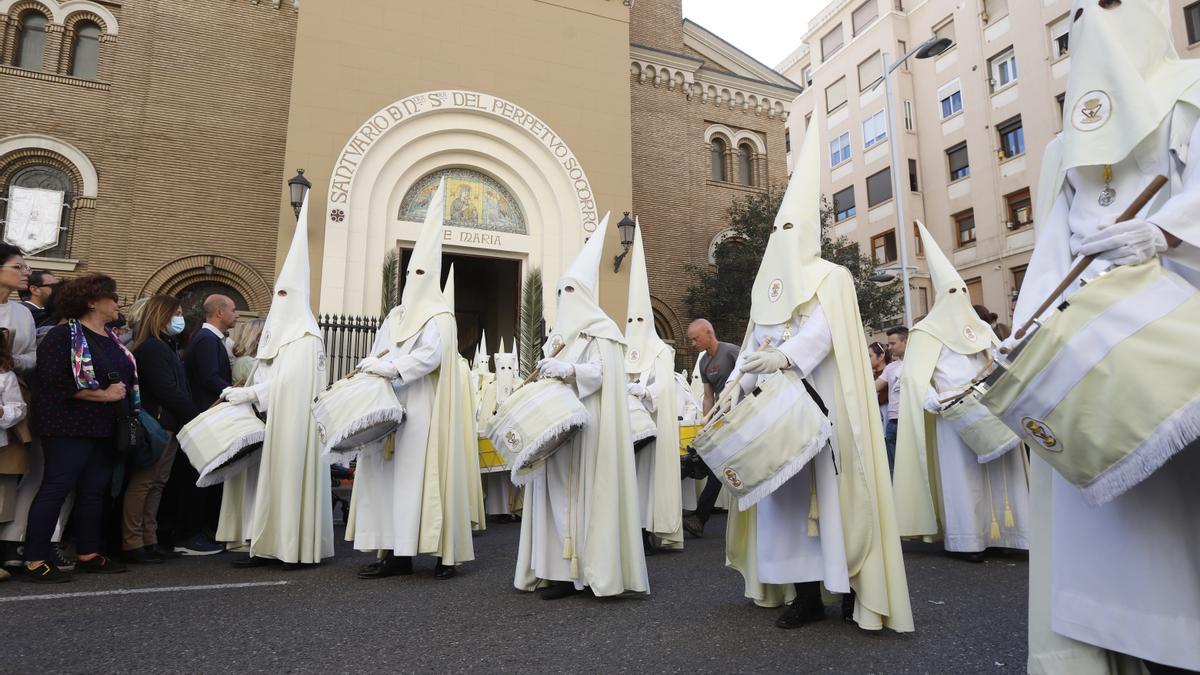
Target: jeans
[
  {"x": 84, "y": 465},
  {"x": 889, "y": 439}
]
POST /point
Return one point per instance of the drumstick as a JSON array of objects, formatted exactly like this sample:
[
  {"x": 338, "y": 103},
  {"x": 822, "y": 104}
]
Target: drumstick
[
  {"x": 1129, "y": 213},
  {"x": 538, "y": 371},
  {"x": 730, "y": 387},
  {"x": 983, "y": 372}
]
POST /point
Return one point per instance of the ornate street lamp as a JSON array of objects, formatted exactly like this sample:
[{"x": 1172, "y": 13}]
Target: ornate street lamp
[
  {"x": 298, "y": 186},
  {"x": 626, "y": 228}
]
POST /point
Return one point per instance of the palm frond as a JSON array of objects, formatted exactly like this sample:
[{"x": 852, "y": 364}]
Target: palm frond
[
  {"x": 532, "y": 324},
  {"x": 389, "y": 298}
]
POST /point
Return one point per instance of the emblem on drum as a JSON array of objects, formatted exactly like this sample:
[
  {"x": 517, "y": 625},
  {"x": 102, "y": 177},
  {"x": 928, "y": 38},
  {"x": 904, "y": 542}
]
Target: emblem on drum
[
  {"x": 512, "y": 439},
  {"x": 321, "y": 361},
  {"x": 633, "y": 355},
  {"x": 969, "y": 333},
  {"x": 321, "y": 431},
  {"x": 732, "y": 476},
  {"x": 1091, "y": 111},
  {"x": 775, "y": 290},
  {"x": 1042, "y": 434}
]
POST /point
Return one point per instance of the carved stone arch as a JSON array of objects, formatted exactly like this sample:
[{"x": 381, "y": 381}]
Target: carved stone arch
[
  {"x": 93, "y": 11},
  {"x": 718, "y": 239},
  {"x": 175, "y": 276},
  {"x": 755, "y": 141},
  {"x": 667, "y": 325},
  {"x": 721, "y": 130},
  {"x": 50, "y": 149},
  {"x": 58, "y": 13}
]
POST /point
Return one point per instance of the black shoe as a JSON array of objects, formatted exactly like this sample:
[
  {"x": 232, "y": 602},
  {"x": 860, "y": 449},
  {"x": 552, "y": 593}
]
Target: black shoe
[
  {"x": 253, "y": 561},
  {"x": 100, "y": 564},
  {"x": 848, "y": 607},
  {"x": 165, "y": 552},
  {"x": 45, "y": 573},
  {"x": 648, "y": 543},
  {"x": 558, "y": 590},
  {"x": 390, "y": 566},
  {"x": 799, "y": 613},
  {"x": 142, "y": 556},
  {"x": 694, "y": 526},
  {"x": 441, "y": 571},
  {"x": 971, "y": 557}
]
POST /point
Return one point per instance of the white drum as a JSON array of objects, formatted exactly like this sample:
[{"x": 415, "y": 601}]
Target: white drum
[
  {"x": 644, "y": 427},
  {"x": 355, "y": 411},
  {"x": 222, "y": 441},
  {"x": 534, "y": 422},
  {"x": 766, "y": 439},
  {"x": 979, "y": 429}
]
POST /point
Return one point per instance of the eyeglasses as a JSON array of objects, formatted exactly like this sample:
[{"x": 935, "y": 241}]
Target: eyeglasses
[{"x": 20, "y": 268}]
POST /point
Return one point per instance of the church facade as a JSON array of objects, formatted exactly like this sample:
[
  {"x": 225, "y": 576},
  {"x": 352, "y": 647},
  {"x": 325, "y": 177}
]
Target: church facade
[{"x": 171, "y": 130}]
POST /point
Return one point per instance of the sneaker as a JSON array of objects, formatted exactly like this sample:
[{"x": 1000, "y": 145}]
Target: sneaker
[
  {"x": 61, "y": 561},
  {"x": 199, "y": 545},
  {"x": 101, "y": 564},
  {"x": 45, "y": 573}
]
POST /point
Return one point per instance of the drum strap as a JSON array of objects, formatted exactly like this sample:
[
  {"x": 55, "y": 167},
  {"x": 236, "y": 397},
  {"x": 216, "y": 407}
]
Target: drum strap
[{"x": 812, "y": 391}]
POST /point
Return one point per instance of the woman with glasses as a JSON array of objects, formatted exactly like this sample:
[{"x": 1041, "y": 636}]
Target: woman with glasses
[{"x": 83, "y": 373}]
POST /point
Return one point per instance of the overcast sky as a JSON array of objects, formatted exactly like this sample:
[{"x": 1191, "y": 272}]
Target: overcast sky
[{"x": 768, "y": 30}]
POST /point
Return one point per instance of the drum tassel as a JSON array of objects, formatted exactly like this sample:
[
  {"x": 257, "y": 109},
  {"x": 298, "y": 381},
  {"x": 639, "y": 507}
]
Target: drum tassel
[
  {"x": 1009, "y": 521},
  {"x": 389, "y": 446},
  {"x": 813, "y": 507},
  {"x": 992, "y": 505}
]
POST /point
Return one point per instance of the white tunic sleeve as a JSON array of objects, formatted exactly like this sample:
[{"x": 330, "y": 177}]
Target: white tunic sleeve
[
  {"x": 262, "y": 384},
  {"x": 13, "y": 404},
  {"x": 1178, "y": 215},
  {"x": 423, "y": 358},
  {"x": 589, "y": 371},
  {"x": 811, "y": 344},
  {"x": 652, "y": 391}
]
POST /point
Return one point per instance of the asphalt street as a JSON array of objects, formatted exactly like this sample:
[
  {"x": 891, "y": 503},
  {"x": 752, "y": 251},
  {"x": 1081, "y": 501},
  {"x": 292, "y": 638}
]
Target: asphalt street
[{"x": 201, "y": 615}]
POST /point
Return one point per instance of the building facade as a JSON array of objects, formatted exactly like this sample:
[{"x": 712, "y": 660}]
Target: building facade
[
  {"x": 971, "y": 123},
  {"x": 169, "y": 130}
]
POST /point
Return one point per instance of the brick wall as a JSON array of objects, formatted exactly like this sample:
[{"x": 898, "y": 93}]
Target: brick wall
[
  {"x": 657, "y": 23},
  {"x": 187, "y": 138}
]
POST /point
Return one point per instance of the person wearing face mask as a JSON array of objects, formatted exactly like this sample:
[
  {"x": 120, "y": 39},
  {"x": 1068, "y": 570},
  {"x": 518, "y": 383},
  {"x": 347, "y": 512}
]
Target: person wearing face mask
[
  {"x": 580, "y": 527},
  {"x": 1118, "y": 582},
  {"x": 413, "y": 490},
  {"x": 166, "y": 397}
]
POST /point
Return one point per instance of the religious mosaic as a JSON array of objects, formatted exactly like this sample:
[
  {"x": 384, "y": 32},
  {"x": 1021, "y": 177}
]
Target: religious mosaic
[{"x": 473, "y": 199}]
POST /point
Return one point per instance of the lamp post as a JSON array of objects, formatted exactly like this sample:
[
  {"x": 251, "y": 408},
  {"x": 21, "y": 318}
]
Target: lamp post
[
  {"x": 626, "y": 228},
  {"x": 931, "y": 47},
  {"x": 298, "y": 186}
]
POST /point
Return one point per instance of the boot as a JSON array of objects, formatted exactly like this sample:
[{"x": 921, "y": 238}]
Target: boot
[
  {"x": 648, "y": 543},
  {"x": 389, "y": 566},
  {"x": 806, "y": 608},
  {"x": 848, "y": 607},
  {"x": 441, "y": 571}
]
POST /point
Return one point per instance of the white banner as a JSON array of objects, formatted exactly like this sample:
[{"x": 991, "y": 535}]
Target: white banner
[{"x": 33, "y": 218}]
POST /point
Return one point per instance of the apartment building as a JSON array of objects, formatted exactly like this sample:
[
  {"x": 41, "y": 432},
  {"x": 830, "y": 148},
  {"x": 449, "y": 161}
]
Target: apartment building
[{"x": 971, "y": 123}]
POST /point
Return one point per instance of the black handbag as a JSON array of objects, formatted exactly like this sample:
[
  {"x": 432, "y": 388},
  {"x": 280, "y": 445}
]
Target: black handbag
[{"x": 131, "y": 437}]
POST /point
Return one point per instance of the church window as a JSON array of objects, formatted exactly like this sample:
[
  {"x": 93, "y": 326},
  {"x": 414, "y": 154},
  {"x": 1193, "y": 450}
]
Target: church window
[
  {"x": 31, "y": 41},
  {"x": 745, "y": 164},
  {"x": 473, "y": 200},
  {"x": 718, "y": 160},
  {"x": 85, "y": 53},
  {"x": 34, "y": 181}
]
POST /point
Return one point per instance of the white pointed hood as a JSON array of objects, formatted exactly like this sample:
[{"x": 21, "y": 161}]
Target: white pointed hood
[
  {"x": 578, "y": 311},
  {"x": 506, "y": 374},
  {"x": 642, "y": 342},
  {"x": 448, "y": 289},
  {"x": 423, "y": 298},
  {"x": 1125, "y": 78},
  {"x": 791, "y": 268},
  {"x": 952, "y": 319},
  {"x": 290, "y": 316},
  {"x": 480, "y": 363}
]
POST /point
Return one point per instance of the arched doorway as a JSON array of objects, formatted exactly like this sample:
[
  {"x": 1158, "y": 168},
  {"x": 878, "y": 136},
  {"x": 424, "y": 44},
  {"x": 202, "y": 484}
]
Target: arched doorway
[{"x": 192, "y": 297}]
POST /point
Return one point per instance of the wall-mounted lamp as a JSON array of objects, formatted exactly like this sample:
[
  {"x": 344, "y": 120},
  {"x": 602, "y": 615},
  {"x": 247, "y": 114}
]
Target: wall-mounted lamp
[{"x": 626, "y": 228}]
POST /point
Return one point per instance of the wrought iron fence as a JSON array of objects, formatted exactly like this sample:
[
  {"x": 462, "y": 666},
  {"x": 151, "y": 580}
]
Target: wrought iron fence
[{"x": 348, "y": 340}]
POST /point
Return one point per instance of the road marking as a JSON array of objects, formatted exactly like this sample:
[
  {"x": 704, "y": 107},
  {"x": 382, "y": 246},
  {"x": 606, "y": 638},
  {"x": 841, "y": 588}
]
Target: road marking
[{"x": 134, "y": 591}]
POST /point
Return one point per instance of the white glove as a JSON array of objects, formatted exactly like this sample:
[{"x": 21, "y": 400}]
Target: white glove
[
  {"x": 239, "y": 395},
  {"x": 637, "y": 391},
  {"x": 1126, "y": 243},
  {"x": 383, "y": 369},
  {"x": 932, "y": 402},
  {"x": 761, "y": 363},
  {"x": 370, "y": 360},
  {"x": 556, "y": 368}
]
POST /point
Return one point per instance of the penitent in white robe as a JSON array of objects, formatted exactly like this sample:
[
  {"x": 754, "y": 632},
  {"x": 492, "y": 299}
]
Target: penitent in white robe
[
  {"x": 786, "y": 552},
  {"x": 975, "y": 495},
  {"x": 1125, "y": 576},
  {"x": 388, "y": 491},
  {"x": 237, "y": 494}
]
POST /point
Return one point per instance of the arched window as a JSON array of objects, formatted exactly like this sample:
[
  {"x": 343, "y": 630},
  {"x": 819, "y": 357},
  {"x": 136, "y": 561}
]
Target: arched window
[
  {"x": 718, "y": 160},
  {"x": 192, "y": 297},
  {"x": 85, "y": 53},
  {"x": 43, "y": 177},
  {"x": 745, "y": 164},
  {"x": 31, "y": 41},
  {"x": 473, "y": 199}
]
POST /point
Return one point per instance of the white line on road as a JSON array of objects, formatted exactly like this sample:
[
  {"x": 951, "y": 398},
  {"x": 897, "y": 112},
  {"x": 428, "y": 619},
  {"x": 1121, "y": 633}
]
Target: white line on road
[{"x": 133, "y": 591}]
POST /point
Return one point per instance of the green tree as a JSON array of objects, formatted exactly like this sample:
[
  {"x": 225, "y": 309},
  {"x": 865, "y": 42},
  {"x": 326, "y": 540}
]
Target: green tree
[{"x": 721, "y": 292}]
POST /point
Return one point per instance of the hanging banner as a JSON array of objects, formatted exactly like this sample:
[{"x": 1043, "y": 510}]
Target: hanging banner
[{"x": 33, "y": 218}]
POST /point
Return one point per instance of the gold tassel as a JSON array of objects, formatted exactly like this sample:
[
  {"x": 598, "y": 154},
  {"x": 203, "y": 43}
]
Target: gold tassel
[
  {"x": 1008, "y": 514},
  {"x": 813, "y": 507},
  {"x": 995, "y": 528},
  {"x": 574, "y": 568},
  {"x": 389, "y": 447},
  {"x": 568, "y": 548}
]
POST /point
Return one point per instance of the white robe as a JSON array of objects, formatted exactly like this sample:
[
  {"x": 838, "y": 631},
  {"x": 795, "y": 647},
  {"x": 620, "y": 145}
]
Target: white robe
[
  {"x": 499, "y": 491},
  {"x": 236, "y": 521},
  {"x": 974, "y": 494},
  {"x": 1125, "y": 576},
  {"x": 387, "y": 492},
  {"x": 558, "y": 496},
  {"x": 786, "y": 553}
]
